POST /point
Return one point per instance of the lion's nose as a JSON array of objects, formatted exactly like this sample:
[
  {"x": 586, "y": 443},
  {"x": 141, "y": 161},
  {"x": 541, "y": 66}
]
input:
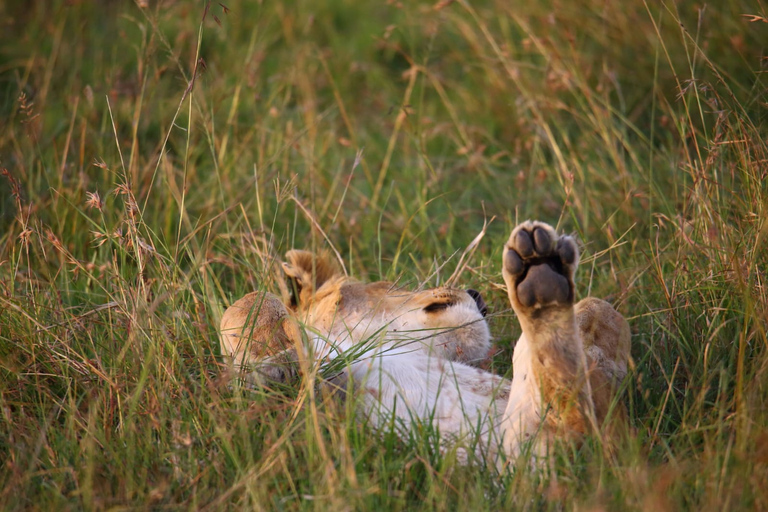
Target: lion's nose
[{"x": 479, "y": 301}]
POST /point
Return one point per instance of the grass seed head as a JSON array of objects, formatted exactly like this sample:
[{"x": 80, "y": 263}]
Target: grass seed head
[{"x": 92, "y": 200}]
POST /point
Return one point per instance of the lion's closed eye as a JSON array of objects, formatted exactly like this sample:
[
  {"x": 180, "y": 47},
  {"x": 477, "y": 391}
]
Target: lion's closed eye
[{"x": 437, "y": 306}]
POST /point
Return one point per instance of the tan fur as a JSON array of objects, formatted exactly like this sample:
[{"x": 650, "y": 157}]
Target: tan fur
[
  {"x": 341, "y": 301},
  {"x": 308, "y": 273},
  {"x": 578, "y": 352},
  {"x": 567, "y": 364},
  {"x": 255, "y": 329}
]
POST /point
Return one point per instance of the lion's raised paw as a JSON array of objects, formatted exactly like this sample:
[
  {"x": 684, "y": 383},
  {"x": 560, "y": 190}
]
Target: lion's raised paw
[{"x": 538, "y": 267}]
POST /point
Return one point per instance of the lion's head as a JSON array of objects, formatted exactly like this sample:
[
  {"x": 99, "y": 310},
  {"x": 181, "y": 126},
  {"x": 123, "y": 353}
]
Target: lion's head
[
  {"x": 341, "y": 313},
  {"x": 447, "y": 320}
]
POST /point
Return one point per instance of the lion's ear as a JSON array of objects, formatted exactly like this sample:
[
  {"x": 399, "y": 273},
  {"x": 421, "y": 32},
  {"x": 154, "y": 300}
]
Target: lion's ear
[{"x": 306, "y": 273}]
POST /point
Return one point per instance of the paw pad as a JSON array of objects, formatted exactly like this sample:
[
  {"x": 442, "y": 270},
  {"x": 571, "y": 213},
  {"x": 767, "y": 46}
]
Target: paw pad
[{"x": 538, "y": 266}]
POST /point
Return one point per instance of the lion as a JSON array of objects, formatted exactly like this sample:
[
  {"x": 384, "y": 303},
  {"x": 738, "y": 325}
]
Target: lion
[{"x": 412, "y": 355}]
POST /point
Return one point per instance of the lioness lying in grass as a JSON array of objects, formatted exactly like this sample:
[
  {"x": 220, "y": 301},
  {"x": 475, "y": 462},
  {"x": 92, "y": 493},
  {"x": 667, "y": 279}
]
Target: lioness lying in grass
[{"x": 409, "y": 354}]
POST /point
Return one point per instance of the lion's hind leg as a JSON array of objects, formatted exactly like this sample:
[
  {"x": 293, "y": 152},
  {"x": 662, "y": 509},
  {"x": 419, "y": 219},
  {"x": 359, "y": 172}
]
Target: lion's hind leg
[{"x": 605, "y": 336}]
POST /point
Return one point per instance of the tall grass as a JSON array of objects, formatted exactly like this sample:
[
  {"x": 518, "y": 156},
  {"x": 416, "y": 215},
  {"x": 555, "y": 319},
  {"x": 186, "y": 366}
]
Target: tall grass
[{"x": 156, "y": 157}]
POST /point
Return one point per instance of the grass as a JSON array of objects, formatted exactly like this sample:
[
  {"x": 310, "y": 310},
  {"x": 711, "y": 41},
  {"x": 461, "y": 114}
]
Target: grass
[{"x": 157, "y": 156}]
